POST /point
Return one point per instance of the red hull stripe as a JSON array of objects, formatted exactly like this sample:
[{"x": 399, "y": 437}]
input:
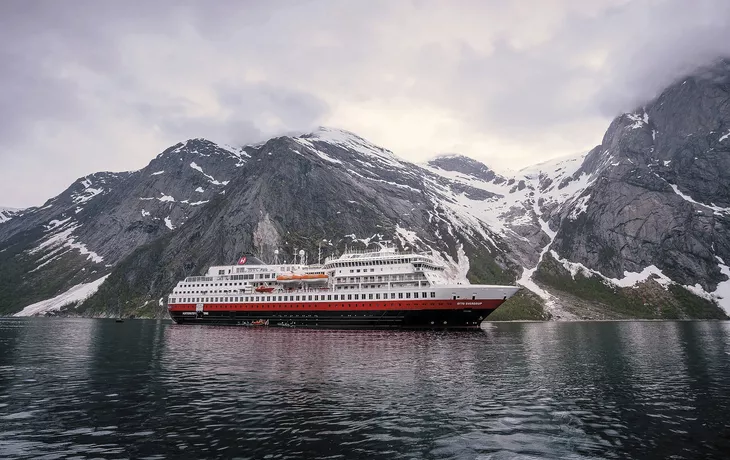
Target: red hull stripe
[{"x": 488, "y": 304}]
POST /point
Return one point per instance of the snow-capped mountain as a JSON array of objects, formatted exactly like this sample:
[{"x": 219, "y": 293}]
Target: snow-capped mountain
[
  {"x": 78, "y": 236},
  {"x": 657, "y": 203},
  {"x": 637, "y": 227}
]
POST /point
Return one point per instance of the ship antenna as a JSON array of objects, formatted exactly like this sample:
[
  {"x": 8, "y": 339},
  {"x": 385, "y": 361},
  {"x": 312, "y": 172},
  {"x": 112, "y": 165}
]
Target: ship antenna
[{"x": 319, "y": 251}]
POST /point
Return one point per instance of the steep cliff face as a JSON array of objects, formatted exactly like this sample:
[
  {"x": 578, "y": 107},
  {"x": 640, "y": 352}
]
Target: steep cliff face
[{"x": 657, "y": 203}]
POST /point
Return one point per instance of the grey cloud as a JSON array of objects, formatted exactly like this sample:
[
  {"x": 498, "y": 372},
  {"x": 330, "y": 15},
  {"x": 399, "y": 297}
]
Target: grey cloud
[
  {"x": 157, "y": 72},
  {"x": 293, "y": 108},
  {"x": 29, "y": 95},
  {"x": 685, "y": 36},
  {"x": 247, "y": 108},
  {"x": 531, "y": 91}
]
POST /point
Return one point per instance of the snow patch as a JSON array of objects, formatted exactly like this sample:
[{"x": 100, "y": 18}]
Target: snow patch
[
  {"x": 722, "y": 292},
  {"x": 63, "y": 238},
  {"x": 200, "y": 190},
  {"x": 77, "y": 294},
  {"x": 630, "y": 279},
  {"x": 168, "y": 223},
  {"x": 351, "y": 141},
  {"x": 145, "y": 213},
  {"x": 326, "y": 157},
  {"x": 639, "y": 120},
  {"x": 86, "y": 195},
  {"x": 715, "y": 209},
  {"x": 7, "y": 213},
  {"x": 157, "y": 173},
  {"x": 527, "y": 282},
  {"x": 178, "y": 149},
  {"x": 210, "y": 178},
  {"x": 724, "y": 137},
  {"x": 165, "y": 198},
  {"x": 408, "y": 236},
  {"x": 56, "y": 223},
  {"x": 581, "y": 206}
]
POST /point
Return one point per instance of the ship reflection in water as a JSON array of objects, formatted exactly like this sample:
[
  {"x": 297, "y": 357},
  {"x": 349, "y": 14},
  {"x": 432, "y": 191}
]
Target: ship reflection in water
[{"x": 541, "y": 390}]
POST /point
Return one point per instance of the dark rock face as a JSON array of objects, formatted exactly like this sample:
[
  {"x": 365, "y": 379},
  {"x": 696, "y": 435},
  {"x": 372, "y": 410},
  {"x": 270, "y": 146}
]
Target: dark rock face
[
  {"x": 660, "y": 188},
  {"x": 100, "y": 219}
]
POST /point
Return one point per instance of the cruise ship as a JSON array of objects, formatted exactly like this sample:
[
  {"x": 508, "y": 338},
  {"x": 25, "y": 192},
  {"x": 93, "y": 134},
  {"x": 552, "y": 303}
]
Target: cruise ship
[{"x": 380, "y": 289}]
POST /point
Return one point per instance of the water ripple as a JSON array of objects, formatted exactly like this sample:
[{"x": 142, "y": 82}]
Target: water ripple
[{"x": 147, "y": 389}]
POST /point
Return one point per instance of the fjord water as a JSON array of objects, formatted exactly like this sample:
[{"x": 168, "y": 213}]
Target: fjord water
[{"x": 148, "y": 389}]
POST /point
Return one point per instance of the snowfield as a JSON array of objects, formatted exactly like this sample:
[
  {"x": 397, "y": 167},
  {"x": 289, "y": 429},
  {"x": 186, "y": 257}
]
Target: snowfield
[{"x": 76, "y": 294}]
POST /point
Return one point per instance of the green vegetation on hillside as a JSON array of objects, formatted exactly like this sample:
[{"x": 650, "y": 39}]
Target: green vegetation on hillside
[
  {"x": 484, "y": 269},
  {"x": 648, "y": 300},
  {"x": 523, "y": 306},
  {"x": 128, "y": 287}
]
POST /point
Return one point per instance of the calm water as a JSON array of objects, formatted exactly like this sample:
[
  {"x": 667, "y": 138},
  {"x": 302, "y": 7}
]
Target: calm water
[{"x": 148, "y": 389}]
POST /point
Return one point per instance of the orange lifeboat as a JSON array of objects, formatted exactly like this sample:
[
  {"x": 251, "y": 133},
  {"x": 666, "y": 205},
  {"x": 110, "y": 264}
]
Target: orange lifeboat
[
  {"x": 264, "y": 289},
  {"x": 314, "y": 277},
  {"x": 292, "y": 278}
]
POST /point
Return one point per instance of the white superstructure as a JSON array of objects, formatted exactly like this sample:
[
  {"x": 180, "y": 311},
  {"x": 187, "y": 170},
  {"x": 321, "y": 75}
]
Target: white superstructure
[{"x": 383, "y": 274}]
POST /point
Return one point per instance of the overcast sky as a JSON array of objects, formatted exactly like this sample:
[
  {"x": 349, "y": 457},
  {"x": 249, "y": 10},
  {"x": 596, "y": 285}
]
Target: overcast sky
[{"x": 97, "y": 85}]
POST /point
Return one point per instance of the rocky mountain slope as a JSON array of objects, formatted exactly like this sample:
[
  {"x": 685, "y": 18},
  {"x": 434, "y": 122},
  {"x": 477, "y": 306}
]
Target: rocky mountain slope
[
  {"x": 637, "y": 227},
  {"x": 657, "y": 205},
  {"x": 81, "y": 234}
]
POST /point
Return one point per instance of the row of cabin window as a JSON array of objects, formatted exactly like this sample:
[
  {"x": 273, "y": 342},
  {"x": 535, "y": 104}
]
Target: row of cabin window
[
  {"x": 374, "y": 262},
  {"x": 338, "y": 288},
  {"x": 257, "y": 276},
  {"x": 224, "y": 284},
  {"x": 340, "y": 281},
  {"x": 316, "y": 297},
  {"x": 212, "y": 291},
  {"x": 395, "y": 277}
]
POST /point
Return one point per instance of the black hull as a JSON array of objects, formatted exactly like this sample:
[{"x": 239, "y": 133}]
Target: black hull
[{"x": 375, "y": 319}]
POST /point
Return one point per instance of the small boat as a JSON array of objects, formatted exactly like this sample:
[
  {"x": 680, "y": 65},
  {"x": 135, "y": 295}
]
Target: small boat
[{"x": 264, "y": 289}]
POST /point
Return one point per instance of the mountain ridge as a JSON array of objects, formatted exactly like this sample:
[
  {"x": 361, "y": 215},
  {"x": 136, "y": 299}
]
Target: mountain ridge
[{"x": 585, "y": 234}]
